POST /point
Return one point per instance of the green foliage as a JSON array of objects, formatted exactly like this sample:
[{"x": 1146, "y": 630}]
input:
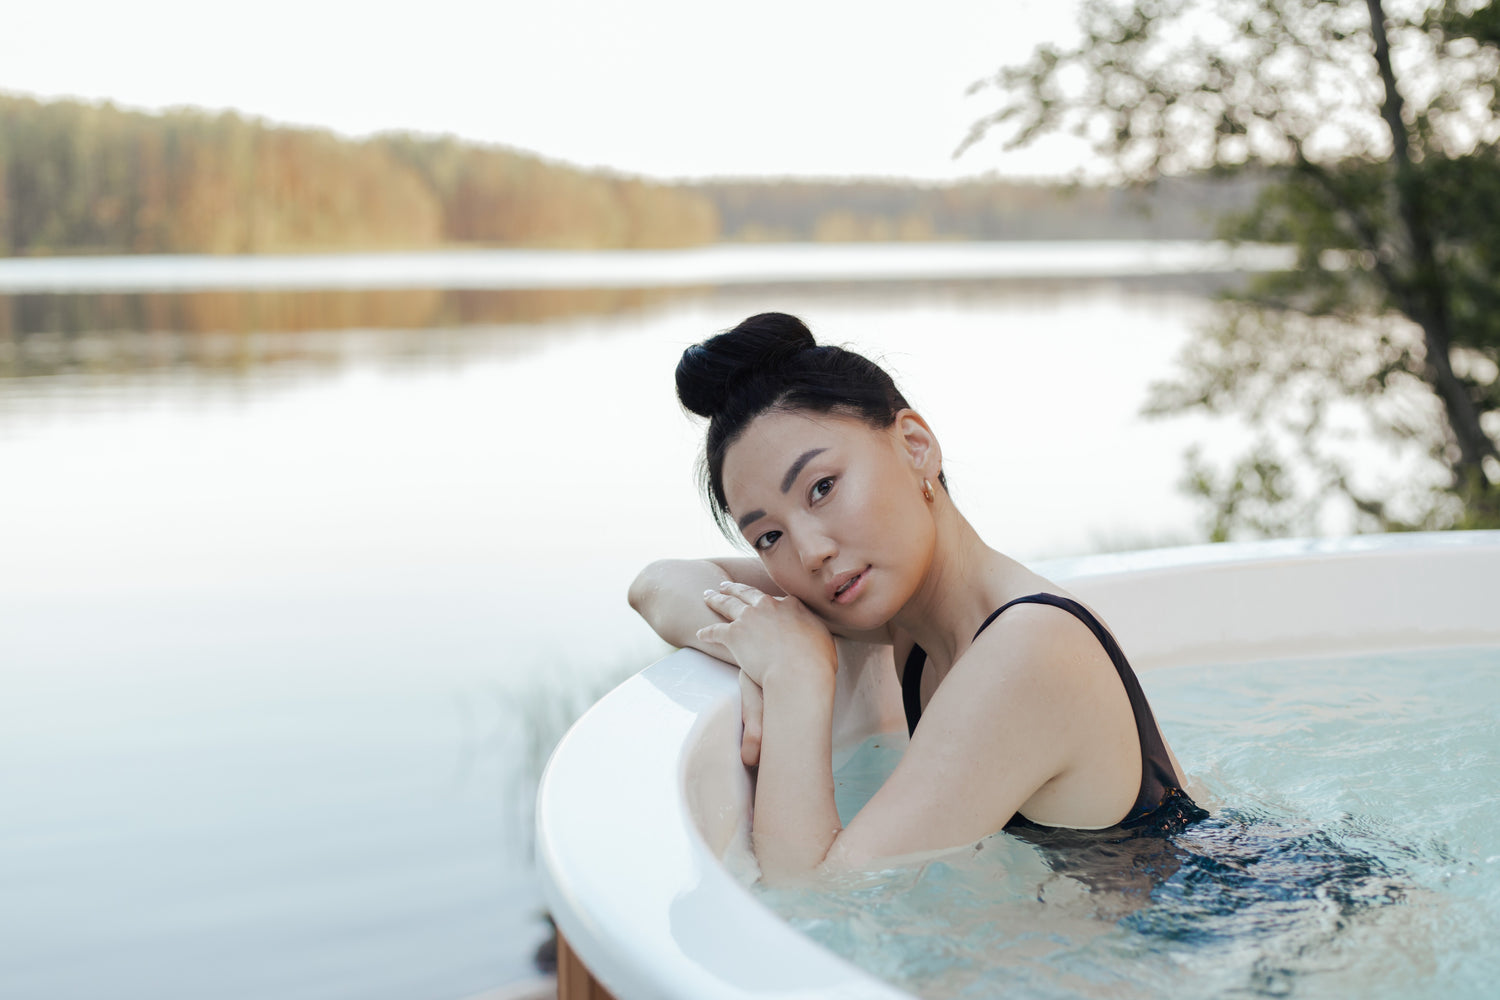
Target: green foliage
[
  {"x": 1377, "y": 127},
  {"x": 1256, "y": 492}
]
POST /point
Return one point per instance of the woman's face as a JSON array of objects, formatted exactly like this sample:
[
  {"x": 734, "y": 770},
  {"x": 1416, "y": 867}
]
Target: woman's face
[{"x": 834, "y": 508}]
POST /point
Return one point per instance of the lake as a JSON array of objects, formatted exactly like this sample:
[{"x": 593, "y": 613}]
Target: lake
[{"x": 299, "y": 577}]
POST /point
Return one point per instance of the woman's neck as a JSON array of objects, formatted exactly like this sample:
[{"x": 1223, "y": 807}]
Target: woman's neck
[{"x": 964, "y": 583}]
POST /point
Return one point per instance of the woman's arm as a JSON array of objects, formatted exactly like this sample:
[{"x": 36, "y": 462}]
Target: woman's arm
[
  {"x": 995, "y": 732},
  {"x": 1031, "y": 715},
  {"x": 788, "y": 652},
  {"x": 669, "y": 595},
  {"x": 1009, "y": 717}
]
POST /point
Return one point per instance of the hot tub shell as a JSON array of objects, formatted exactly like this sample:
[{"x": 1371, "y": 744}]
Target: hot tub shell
[{"x": 645, "y": 796}]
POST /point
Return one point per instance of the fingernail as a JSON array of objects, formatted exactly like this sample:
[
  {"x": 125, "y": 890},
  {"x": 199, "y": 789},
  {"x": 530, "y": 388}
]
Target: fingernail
[
  {"x": 709, "y": 593},
  {"x": 726, "y": 583}
]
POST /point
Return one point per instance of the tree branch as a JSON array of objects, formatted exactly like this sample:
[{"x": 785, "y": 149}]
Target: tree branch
[{"x": 1429, "y": 291}]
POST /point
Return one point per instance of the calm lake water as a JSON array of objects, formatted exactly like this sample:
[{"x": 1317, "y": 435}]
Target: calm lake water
[{"x": 295, "y": 588}]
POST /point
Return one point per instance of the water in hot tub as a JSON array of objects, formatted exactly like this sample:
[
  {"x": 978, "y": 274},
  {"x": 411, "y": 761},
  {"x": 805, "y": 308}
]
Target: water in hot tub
[{"x": 1353, "y": 850}]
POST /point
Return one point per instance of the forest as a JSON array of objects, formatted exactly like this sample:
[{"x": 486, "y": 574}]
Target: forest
[
  {"x": 82, "y": 178},
  {"x": 86, "y": 178},
  {"x": 858, "y": 210}
]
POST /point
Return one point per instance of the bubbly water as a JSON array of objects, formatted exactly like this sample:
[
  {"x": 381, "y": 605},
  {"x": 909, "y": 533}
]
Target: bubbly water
[{"x": 1354, "y": 850}]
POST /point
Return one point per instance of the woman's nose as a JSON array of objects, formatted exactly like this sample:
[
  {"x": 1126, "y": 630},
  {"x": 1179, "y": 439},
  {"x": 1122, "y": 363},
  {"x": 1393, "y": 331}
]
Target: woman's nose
[{"x": 817, "y": 548}]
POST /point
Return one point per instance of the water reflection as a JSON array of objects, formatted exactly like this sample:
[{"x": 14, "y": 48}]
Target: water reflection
[
  {"x": 43, "y": 334},
  {"x": 229, "y": 332}
]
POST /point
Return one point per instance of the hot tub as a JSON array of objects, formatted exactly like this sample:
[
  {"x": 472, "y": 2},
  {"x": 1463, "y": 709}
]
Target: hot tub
[{"x": 645, "y": 798}]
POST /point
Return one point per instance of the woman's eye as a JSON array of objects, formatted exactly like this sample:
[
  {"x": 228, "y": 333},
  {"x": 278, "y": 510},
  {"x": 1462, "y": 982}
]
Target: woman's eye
[
  {"x": 822, "y": 487},
  {"x": 767, "y": 540}
]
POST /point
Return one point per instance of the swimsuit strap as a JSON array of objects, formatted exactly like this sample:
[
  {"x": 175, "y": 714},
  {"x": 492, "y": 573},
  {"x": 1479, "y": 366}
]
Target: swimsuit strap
[
  {"x": 1157, "y": 776},
  {"x": 911, "y": 677},
  {"x": 911, "y": 687}
]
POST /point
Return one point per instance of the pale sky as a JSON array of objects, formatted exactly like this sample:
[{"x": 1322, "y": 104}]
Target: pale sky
[{"x": 666, "y": 88}]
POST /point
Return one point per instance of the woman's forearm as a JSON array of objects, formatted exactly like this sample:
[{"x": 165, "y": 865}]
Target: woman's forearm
[
  {"x": 668, "y": 594},
  {"x": 795, "y": 820}
]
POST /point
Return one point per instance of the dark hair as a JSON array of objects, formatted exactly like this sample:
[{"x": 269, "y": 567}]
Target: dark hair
[{"x": 770, "y": 362}]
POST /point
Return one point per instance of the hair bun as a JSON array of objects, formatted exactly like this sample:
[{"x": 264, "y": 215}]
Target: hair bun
[{"x": 761, "y": 346}]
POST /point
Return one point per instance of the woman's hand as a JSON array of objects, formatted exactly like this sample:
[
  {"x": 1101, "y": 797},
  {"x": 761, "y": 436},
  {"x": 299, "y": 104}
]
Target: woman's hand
[
  {"x": 752, "y": 714},
  {"x": 771, "y": 636},
  {"x": 668, "y": 594},
  {"x": 788, "y": 668}
]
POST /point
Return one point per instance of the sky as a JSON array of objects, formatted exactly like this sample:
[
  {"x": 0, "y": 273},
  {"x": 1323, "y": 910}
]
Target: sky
[{"x": 663, "y": 88}]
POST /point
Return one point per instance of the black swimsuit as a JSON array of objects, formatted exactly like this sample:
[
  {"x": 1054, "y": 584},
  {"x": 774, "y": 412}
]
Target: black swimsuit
[{"x": 1161, "y": 803}]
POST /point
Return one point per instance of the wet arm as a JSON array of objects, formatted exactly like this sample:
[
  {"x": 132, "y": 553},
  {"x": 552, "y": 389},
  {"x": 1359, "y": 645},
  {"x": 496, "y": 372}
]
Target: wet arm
[
  {"x": 1010, "y": 716},
  {"x": 998, "y": 729}
]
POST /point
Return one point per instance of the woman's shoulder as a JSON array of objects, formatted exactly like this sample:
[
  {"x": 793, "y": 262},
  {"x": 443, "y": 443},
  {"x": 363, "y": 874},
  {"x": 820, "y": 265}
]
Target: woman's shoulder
[
  {"x": 1044, "y": 635},
  {"x": 1025, "y": 601}
]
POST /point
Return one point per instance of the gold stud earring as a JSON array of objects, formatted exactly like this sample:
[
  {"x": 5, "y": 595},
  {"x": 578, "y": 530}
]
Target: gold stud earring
[{"x": 927, "y": 493}]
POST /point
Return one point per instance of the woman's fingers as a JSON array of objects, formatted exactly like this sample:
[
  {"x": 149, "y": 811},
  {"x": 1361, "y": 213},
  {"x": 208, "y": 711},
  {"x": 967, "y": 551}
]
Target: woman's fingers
[
  {"x": 752, "y": 709},
  {"x": 743, "y": 591},
  {"x": 731, "y": 599},
  {"x": 728, "y": 605},
  {"x": 722, "y": 603}
]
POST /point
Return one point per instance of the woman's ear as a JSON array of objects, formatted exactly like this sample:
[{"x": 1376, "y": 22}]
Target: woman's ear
[{"x": 919, "y": 443}]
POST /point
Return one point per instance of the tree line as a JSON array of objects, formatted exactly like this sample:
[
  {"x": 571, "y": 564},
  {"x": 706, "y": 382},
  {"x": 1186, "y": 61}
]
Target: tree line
[
  {"x": 1185, "y": 207},
  {"x": 92, "y": 178}
]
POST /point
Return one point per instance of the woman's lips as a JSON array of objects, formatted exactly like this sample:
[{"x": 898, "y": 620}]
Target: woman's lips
[{"x": 851, "y": 587}]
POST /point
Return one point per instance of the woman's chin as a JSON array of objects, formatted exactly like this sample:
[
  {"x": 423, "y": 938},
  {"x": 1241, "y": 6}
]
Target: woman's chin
[{"x": 856, "y": 619}]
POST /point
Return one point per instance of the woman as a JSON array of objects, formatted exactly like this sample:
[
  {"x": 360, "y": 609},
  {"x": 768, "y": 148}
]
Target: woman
[{"x": 1029, "y": 714}]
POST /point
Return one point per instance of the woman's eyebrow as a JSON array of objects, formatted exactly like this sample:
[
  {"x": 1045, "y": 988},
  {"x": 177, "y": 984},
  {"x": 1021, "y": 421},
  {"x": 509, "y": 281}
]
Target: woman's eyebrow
[
  {"x": 797, "y": 466},
  {"x": 786, "y": 482}
]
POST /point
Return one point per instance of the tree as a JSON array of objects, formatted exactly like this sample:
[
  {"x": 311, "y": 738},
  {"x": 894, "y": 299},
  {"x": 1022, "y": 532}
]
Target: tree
[{"x": 1376, "y": 127}]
